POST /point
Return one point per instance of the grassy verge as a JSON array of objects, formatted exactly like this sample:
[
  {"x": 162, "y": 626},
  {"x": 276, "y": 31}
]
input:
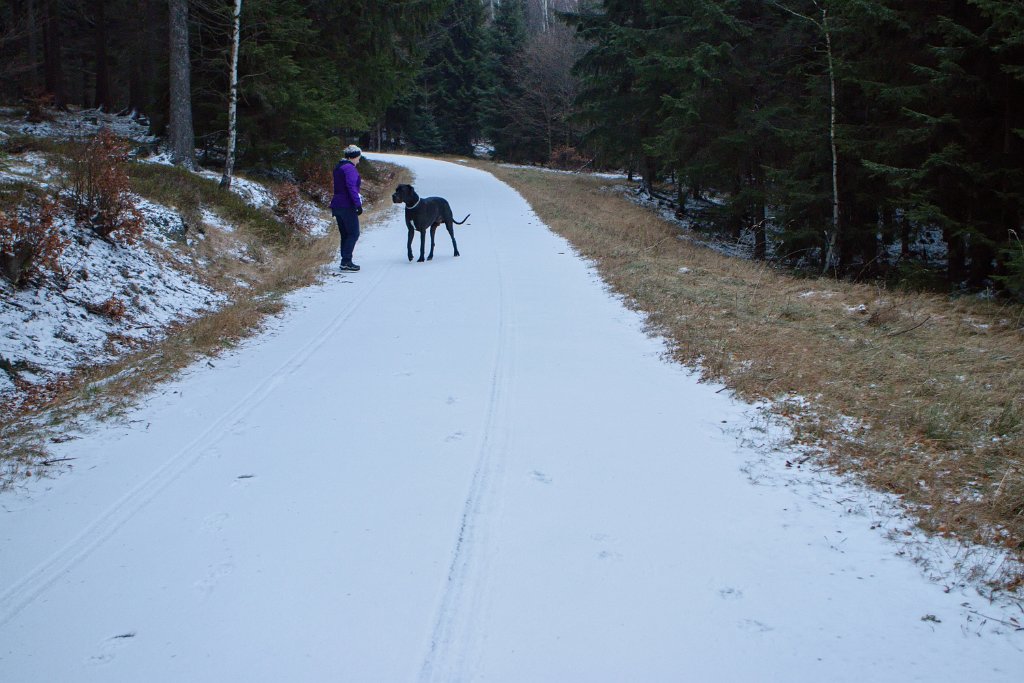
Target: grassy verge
[
  {"x": 916, "y": 394},
  {"x": 188, "y": 192},
  {"x": 288, "y": 262}
]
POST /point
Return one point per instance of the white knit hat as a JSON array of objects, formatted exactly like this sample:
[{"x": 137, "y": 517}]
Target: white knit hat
[{"x": 352, "y": 152}]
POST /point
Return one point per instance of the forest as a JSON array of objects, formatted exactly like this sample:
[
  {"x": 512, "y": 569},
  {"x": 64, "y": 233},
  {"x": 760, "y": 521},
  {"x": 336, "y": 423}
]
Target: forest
[{"x": 859, "y": 138}]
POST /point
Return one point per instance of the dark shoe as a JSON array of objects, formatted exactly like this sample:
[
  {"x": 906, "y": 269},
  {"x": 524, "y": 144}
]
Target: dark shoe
[{"x": 348, "y": 268}]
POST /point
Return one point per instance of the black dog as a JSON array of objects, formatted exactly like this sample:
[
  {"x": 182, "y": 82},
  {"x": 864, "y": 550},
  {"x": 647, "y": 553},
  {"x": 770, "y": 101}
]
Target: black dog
[{"x": 425, "y": 212}]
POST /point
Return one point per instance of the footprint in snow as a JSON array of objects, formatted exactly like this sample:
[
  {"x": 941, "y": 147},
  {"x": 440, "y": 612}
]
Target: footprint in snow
[
  {"x": 540, "y": 477},
  {"x": 108, "y": 648},
  {"x": 730, "y": 593},
  {"x": 605, "y": 554},
  {"x": 455, "y": 436},
  {"x": 215, "y": 522},
  {"x": 214, "y": 576},
  {"x": 755, "y": 626}
]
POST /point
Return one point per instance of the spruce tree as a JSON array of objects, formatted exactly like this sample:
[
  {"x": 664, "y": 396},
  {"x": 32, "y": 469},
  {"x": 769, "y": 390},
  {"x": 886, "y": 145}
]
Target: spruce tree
[
  {"x": 453, "y": 73},
  {"x": 504, "y": 40},
  {"x": 960, "y": 166},
  {"x": 620, "y": 116}
]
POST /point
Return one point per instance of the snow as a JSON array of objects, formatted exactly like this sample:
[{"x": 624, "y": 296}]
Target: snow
[
  {"x": 53, "y": 330},
  {"x": 50, "y": 327},
  {"x": 78, "y": 123},
  {"x": 470, "y": 469},
  {"x": 250, "y": 191}
]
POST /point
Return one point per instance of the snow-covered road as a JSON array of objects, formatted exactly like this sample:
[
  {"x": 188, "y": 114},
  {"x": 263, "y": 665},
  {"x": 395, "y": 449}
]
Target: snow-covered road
[{"x": 477, "y": 468}]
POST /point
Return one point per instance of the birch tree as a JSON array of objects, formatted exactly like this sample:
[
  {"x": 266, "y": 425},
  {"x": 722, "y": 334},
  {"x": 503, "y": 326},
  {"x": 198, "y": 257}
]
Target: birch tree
[{"x": 229, "y": 161}]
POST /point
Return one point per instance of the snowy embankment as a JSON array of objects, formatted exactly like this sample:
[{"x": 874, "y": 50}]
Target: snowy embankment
[
  {"x": 51, "y": 329},
  {"x": 477, "y": 468}
]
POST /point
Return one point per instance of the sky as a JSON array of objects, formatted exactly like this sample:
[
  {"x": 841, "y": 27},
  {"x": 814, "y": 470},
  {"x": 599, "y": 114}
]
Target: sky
[{"x": 474, "y": 468}]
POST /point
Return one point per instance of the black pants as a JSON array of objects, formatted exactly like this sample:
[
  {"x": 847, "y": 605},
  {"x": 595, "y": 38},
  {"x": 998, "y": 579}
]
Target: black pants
[{"x": 348, "y": 226}]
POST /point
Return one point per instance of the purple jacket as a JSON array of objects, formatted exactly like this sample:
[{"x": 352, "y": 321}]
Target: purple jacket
[{"x": 346, "y": 186}]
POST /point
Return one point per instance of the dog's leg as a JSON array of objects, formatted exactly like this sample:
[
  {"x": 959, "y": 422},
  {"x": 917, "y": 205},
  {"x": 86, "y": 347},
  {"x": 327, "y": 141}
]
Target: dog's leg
[
  {"x": 433, "y": 229},
  {"x": 409, "y": 243},
  {"x": 423, "y": 242},
  {"x": 451, "y": 231}
]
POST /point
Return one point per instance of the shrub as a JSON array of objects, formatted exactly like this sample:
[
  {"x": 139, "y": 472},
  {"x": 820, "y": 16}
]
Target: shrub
[
  {"x": 567, "y": 158},
  {"x": 316, "y": 180},
  {"x": 292, "y": 210},
  {"x": 29, "y": 241},
  {"x": 38, "y": 103},
  {"x": 112, "y": 308},
  {"x": 97, "y": 174}
]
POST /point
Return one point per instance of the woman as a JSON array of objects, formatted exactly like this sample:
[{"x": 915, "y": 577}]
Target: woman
[{"x": 346, "y": 205}]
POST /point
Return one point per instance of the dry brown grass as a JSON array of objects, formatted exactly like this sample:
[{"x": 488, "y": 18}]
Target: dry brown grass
[
  {"x": 917, "y": 394},
  {"x": 272, "y": 270}
]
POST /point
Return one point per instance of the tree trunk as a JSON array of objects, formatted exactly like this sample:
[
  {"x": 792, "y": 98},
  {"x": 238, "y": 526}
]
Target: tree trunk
[
  {"x": 102, "y": 95},
  {"x": 956, "y": 257},
  {"x": 229, "y": 161},
  {"x": 53, "y": 69},
  {"x": 904, "y": 237},
  {"x": 180, "y": 132},
  {"x": 831, "y": 257},
  {"x": 761, "y": 203},
  {"x": 147, "y": 80},
  {"x": 33, "y": 45},
  {"x": 680, "y": 197},
  {"x": 760, "y": 238}
]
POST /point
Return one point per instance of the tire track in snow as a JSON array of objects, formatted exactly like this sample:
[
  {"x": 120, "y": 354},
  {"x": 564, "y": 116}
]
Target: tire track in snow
[
  {"x": 454, "y": 638},
  {"x": 23, "y": 592}
]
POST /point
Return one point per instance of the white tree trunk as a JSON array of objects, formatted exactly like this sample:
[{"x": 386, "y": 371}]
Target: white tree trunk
[
  {"x": 832, "y": 234},
  {"x": 180, "y": 132},
  {"x": 229, "y": 158}
]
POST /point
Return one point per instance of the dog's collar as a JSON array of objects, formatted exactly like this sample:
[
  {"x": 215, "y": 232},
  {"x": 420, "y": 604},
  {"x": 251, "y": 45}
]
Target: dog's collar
[{"x": 409, "y": 208}]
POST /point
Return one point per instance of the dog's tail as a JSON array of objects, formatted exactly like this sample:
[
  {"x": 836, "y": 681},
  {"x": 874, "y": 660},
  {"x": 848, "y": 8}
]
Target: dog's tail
[{"x": 462, "y": 221}]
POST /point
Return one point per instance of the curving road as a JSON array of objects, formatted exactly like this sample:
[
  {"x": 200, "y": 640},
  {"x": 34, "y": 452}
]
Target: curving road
[{"x": 477, "y": 468}]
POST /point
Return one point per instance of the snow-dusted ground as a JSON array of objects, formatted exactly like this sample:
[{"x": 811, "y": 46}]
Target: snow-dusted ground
[
  {"x": 76, "y": 123},
  {"x": 48, "y": 331},
  {"x": 53, "y": 330},
  {"x": 50, "y": 328},
  {"x": 471, "y": 469}
]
